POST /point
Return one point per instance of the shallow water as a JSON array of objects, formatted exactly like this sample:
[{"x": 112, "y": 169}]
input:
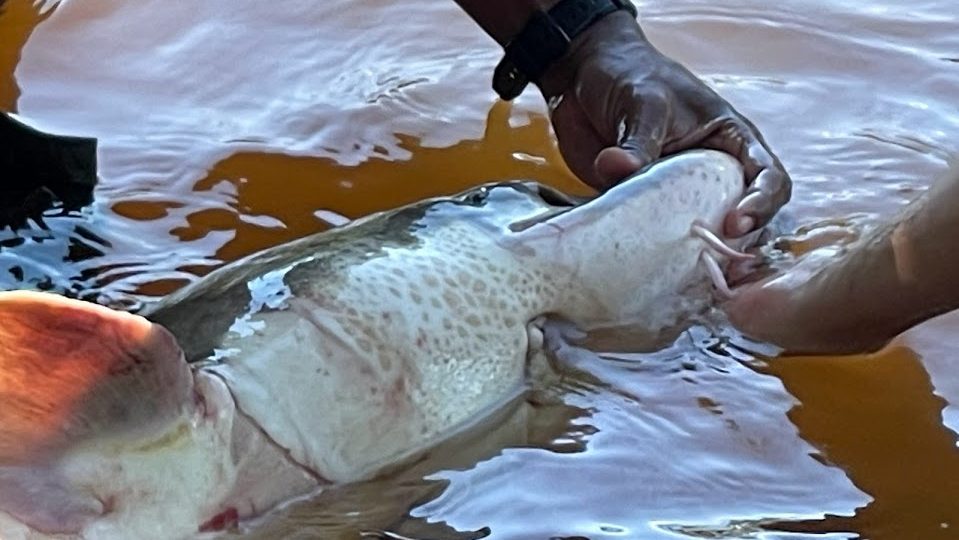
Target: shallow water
[{"x": 226, "y": 125}]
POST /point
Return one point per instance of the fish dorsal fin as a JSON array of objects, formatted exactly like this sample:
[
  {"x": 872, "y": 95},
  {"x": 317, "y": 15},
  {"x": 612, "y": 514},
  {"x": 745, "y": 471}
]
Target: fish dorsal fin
[{"x": 72, "y": 370}]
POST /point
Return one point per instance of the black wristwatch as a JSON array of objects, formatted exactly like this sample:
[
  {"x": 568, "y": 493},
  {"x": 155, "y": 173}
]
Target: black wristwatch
[{"x": 546, "y": 38}]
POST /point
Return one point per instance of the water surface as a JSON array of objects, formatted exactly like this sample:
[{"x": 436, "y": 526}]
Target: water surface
[{"x": 229, "y": 125}]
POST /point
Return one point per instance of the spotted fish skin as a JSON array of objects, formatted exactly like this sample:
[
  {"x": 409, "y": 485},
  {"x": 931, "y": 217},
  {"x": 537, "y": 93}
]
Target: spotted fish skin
[
  {"x": 395, "y": 330},
  {"x": 324, "y": 360}
]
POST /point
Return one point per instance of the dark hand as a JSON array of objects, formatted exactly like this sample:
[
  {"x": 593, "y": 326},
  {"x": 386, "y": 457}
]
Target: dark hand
[{"x": 622, "y": 104}]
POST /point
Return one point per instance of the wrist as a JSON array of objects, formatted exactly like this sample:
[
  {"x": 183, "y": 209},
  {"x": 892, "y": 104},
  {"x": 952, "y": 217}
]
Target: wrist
[
  {"x": 547, "y": 37},
  {"x": 617, "y": 34}
]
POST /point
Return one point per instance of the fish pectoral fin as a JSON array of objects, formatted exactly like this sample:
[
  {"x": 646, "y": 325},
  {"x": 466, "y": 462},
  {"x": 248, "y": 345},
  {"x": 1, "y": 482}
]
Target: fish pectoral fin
[
  {"x": 40, "y": 499},
  {"x": 72, "y": 370},
  {"x": 561, "y": 340}
]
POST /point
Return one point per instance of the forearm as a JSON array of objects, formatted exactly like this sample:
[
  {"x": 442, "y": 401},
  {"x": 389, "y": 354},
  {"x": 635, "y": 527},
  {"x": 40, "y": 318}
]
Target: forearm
[
  {"x": 898, "y": 276},
  {"x": 925, "y": 251}
]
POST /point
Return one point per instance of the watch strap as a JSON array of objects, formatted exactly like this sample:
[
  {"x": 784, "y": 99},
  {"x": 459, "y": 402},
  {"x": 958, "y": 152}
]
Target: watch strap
[{"x": 546, "y": 38}]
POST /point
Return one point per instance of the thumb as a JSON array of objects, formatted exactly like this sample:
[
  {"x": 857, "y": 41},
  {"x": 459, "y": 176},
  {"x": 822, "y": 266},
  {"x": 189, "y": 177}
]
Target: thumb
[{"x": 638, "y": 148}]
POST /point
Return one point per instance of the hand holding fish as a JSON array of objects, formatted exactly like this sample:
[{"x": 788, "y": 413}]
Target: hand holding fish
[{"x": 618, "y": 104}]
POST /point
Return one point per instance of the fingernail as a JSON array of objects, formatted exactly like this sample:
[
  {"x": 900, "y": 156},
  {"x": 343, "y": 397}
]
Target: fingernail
[{"x": 745, "y": 224}]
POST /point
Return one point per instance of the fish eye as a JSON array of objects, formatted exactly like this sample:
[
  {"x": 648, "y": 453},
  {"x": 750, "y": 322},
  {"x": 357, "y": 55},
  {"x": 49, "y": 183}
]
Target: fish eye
[{"x": 477, "y": 197}]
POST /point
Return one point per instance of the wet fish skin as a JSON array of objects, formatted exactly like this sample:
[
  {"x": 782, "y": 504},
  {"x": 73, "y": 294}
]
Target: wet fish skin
[{"x": 326, "y": 359}]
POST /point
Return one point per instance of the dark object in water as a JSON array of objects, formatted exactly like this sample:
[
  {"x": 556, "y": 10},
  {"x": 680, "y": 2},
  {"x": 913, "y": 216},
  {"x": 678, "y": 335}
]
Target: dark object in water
[{"x": 38, "y": 169}]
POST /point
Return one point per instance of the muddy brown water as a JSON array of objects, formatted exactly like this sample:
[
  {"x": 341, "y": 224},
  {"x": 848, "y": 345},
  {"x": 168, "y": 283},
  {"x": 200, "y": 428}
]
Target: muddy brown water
[{"x": 226, "y": 125}]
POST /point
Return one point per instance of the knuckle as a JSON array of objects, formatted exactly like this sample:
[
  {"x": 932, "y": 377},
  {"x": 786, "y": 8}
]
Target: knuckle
[
  {"x": 646, "y": 93},
  {"x": 784, "y": 194},
  {"x": 656, "y": 95}
]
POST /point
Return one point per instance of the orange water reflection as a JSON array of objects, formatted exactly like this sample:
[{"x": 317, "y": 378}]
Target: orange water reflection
[
  {"x": 20, "y": 17},
  {"x": 289, "y": 190},
  {"x": 878, "y": 418}
]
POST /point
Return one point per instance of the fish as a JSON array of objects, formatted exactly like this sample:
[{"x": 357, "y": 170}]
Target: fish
[{"x": 333, "y": 358}]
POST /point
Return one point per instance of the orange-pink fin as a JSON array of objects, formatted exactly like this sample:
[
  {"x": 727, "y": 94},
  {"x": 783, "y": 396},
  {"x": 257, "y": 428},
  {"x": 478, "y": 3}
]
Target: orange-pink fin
[{"x": 71, "y": 371}]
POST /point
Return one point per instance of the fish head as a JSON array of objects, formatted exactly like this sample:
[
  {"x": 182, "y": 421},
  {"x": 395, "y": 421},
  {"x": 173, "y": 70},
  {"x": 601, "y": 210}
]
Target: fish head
[
  {"x": 101, "y": 419},
  {"x": 631, "y": 257}
]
